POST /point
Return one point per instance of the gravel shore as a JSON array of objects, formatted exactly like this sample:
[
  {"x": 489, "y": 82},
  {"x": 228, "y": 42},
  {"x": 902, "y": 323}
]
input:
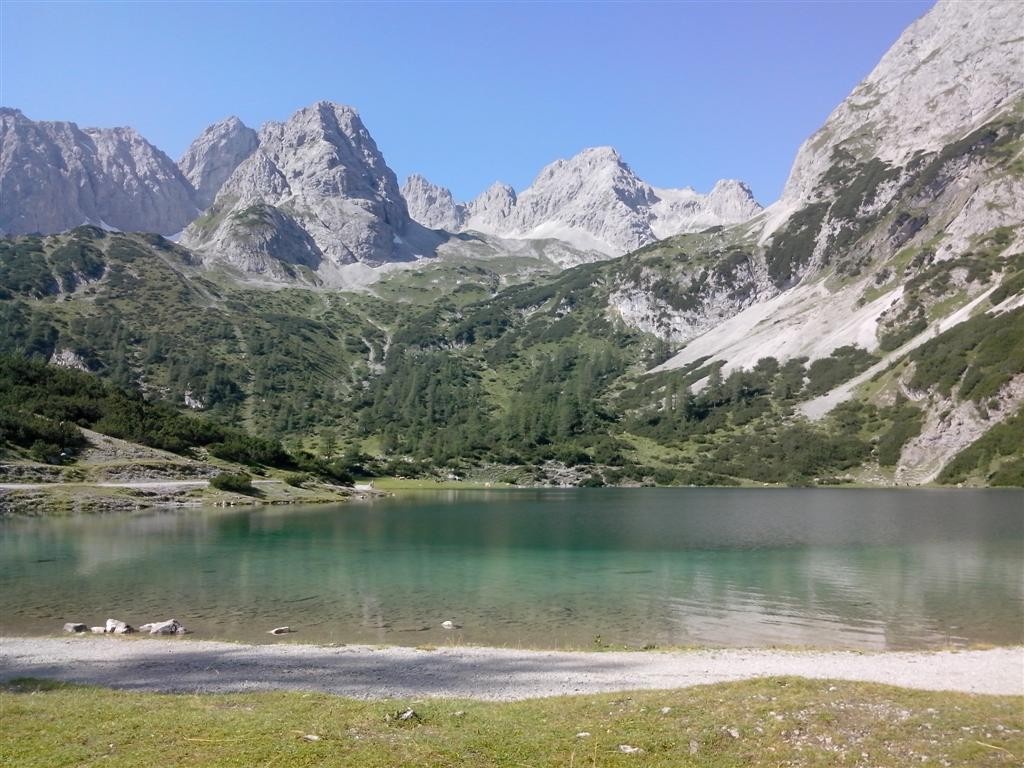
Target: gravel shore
[{"x": 479, "y": 673}]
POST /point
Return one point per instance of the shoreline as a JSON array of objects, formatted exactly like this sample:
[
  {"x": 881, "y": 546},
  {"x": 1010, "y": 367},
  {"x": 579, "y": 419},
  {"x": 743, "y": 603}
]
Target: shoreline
[
  {"x": 61, "y": 499},
  {"x": 497, "y": 674}
]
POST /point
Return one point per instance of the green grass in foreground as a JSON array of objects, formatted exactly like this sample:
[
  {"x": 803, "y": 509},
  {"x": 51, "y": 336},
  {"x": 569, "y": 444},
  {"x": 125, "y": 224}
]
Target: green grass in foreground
[{"x": 771, "y": 722}]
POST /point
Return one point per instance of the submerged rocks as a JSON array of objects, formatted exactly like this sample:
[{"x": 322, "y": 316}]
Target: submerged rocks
[
  {"x": 169, "y": 627},
  {"x": 75, "y": 627}
]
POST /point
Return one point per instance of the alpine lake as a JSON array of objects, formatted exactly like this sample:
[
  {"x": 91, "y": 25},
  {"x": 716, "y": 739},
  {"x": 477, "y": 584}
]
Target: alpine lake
[{"x": 544, "y": 568}]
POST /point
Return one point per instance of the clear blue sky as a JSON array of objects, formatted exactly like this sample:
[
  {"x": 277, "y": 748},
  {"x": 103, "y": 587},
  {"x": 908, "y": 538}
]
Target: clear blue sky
[{"x": 466, "y": 93}]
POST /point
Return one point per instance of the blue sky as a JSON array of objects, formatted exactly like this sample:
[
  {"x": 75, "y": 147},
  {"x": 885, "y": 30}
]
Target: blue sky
[{"x": 466, "y": 93}]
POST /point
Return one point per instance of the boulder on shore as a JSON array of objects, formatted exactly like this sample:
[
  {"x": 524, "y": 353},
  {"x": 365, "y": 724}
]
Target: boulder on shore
[
  {"x": 74, "y": 626},
  {"x": 116, "y": 627},
  {"x": 169, "y": 627}
]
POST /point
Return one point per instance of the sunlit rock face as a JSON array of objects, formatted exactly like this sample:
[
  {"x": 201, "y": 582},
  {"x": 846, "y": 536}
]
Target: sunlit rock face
[
  {"x": 593, "y": 200},
  {"x": 323, "y": 173},
  {"x": 213, "y": 156},
  {"x": 55, "y": 176}
]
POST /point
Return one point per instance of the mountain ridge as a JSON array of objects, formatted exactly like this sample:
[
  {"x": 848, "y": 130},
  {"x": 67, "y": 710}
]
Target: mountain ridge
[
  {"x": 55, "y": 176},
  {"x": 214, "y": 155},
  {"x": 593, "y": 200}
]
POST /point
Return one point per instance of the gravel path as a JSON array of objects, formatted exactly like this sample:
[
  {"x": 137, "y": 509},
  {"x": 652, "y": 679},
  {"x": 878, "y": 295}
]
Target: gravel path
[{"x": 478, "y": 673}]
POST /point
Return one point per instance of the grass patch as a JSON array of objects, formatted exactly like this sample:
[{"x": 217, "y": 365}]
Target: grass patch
[
  {"x": 947, "y": 306},
  {"x": 775, "y": 721}
]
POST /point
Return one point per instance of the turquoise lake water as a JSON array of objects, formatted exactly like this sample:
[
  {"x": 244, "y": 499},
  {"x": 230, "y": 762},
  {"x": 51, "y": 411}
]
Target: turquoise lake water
[{"x": 866, "y": 569}]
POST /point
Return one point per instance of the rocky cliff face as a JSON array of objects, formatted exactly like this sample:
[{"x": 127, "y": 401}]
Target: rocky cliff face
[
  {"x": 214, "y": 155},
  {"x": 593, "y": 200},
  {"x": 55, "y": 176},
  {"x": 950, "y": 72},
  {"x": 915, "y": 180},
  {"x": 683, "y": 210},
  {"x": 433, "y": 206},
  {"x": 325, "y": 178},
  {"x": 493, "y": 208},
  {"x": 903, "y": 219},
  {"x": 322, "y": 172}
]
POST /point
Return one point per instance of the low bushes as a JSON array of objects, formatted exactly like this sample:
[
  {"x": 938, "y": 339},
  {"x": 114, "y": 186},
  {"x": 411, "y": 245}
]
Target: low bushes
[{"x": 235, "y": 482}]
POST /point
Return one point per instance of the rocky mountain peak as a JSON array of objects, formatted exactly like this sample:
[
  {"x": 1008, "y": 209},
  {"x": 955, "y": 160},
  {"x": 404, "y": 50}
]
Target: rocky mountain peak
[
  {"x": 949, "y": 72},
  {"x": 590, "y": 159},
  {"x": 55, "y": 176},
  {"x": 431, "y": 205},
  {"x": 490, "y": 210},
  {"x": 592, "y": 200},
  {"x": 323, "y": 172},
  {"x": 499, "y": 191},
  {"x": 214, "y": 155},
  {"x": 326, "y": 151},
  {"x": 896, "y": 213},
  {"x": 724, "y": 187},
  {"x": 733, "y": 200},
  {"x": 594, "y": 171}
]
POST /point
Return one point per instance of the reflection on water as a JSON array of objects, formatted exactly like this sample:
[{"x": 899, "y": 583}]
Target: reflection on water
[{"x": 844, "y": 568}]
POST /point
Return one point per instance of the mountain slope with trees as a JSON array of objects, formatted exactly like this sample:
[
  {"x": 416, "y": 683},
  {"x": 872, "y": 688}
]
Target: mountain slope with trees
[{"x": 865, "y": 328}]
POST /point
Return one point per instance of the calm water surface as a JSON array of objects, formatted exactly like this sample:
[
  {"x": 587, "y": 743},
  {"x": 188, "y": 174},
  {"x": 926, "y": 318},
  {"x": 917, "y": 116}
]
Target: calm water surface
[{"x": 868, "y": 569}]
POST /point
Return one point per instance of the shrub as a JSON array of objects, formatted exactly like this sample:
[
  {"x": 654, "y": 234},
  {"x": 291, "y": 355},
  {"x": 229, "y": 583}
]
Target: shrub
[
  {"x": 48, "y": 453},
  {"x": 1010, "y": 474},
  {"x": 297, "y": 479},
  {"x": 253, "y": 451},
  {"x": 906, "y": 424},
  {"x": 665, "y": 476},
  {"x": 236, "y": 482},
  {"x": 1003, "y": 440}
]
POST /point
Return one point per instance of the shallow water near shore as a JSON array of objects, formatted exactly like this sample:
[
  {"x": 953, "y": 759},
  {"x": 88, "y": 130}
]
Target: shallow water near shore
[{"x": 587, "y": 568}]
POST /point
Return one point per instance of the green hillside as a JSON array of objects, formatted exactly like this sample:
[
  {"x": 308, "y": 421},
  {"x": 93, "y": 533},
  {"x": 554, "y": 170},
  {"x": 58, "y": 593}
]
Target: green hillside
[{"x": 532, "y": 378}]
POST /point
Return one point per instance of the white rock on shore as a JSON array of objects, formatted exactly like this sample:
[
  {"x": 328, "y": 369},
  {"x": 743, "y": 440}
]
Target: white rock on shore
[
  {"x": 169, "y": 627},
  {"x": 117, "y": 627}
]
